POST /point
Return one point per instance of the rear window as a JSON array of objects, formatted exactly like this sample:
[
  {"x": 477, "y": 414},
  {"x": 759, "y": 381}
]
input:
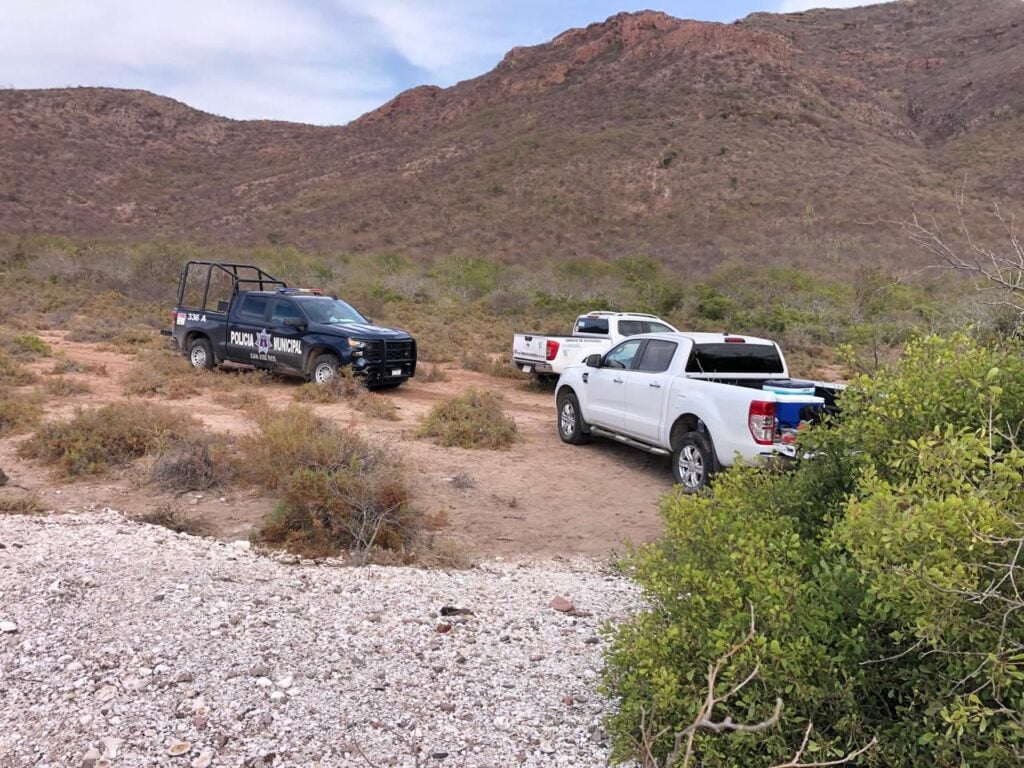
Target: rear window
[
  {"x": 592, "y": 325},
  {"x": 734, "y": 358},
  {"x": 631, "y": 327}
]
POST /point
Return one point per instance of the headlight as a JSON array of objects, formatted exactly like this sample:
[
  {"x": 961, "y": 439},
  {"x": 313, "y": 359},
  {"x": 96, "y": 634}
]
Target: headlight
[{"x": 356, "y": 344}]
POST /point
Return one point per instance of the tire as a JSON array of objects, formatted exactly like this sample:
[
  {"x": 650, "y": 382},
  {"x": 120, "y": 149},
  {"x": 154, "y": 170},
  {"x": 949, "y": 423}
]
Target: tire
[
  {"x": 572, "y": 429},
  {"x": 693, "y": 462},
  {"x": 200, "y": 353},
  {"x": 324, "y": 368}
]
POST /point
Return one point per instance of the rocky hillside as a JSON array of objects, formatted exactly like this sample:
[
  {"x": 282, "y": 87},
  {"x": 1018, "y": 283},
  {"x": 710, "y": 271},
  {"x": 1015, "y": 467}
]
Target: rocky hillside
[{"x": 783, "y": 139}]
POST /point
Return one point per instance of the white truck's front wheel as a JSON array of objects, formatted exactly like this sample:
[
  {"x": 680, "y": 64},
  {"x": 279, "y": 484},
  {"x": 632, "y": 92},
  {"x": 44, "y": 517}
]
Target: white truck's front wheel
[
  {"x": 693, "y": 462},
  {"x": 571, "y": 427}
]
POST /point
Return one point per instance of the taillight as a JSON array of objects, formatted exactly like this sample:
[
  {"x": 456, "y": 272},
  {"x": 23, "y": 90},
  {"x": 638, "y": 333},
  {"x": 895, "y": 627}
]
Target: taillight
[
  {"x": 552, "y": 350},
  {"x": 761, "y": 420}
]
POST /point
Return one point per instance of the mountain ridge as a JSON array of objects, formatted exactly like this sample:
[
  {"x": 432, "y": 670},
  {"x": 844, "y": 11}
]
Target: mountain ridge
[{"x": 779, "y": 137}]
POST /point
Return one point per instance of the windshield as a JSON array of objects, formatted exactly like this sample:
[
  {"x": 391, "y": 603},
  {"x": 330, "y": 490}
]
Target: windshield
[{"x": 328, "y": 311}]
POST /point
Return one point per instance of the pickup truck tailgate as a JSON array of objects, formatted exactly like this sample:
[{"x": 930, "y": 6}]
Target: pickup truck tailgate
[{"x": 529, "y": 346}]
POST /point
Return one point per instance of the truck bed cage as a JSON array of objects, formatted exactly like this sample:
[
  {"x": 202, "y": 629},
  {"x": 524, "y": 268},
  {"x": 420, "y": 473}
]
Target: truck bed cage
[{"x": 242, "y": 276}]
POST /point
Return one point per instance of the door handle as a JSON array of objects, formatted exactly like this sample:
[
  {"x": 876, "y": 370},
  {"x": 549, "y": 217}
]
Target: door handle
[
  {"x": 617, "y": 380},
  {"x": 655, "y": 384}
]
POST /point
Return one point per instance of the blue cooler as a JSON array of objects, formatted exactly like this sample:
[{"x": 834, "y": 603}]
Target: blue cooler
[{"x": 791, "y": 397}]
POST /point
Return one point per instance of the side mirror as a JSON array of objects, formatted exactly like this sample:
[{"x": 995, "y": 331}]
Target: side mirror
[
  {"x": 592, "y": 361},
  {"x": 294, "y": 322}
]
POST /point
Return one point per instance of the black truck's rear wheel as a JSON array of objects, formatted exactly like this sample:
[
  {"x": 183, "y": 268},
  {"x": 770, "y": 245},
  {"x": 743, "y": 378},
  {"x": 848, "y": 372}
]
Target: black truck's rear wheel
[
  {"x": 200, "y": 353},
  {"x": 325, "y": 368}
]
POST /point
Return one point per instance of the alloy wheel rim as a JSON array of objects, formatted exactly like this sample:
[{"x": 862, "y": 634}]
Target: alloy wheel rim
[
  {"x": 323, "y": 373},
  {"x": 691, "y": 466},
  {"x": 568, "y": 420}
]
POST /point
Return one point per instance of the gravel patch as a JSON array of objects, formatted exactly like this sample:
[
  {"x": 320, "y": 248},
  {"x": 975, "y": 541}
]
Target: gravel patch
[{"x": 124, "y": 644}]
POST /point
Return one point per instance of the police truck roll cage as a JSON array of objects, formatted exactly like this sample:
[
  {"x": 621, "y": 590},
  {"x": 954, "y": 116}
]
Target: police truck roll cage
[{"x": 246, "y": 277}]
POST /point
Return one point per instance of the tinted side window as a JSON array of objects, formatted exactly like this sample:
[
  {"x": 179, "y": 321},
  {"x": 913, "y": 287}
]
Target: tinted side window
[
  {"x": 631, "y": 327},
  {"x": 284, "y": 310},
  {"x": 592, "y": 325},
  {"x": 657, "y": 356},
  {"x": 658, "y": 328},
  {"x": 622, "y": 356},
  {"x": 253, "y": 307},
  {"x": 734, "y": 358}
]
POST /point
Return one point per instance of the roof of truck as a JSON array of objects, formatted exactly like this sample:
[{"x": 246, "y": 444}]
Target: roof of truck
[{"x": 706, "y": 338}]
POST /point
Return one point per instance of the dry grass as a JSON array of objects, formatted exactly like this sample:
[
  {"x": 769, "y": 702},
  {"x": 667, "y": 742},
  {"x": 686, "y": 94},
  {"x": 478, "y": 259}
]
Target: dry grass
[
  {"x": 176, "y": 520},
  {"x": 241, "y": 400},
  {"x": 339, "y": 493},
  {"x": 431, "y": 373},
  {"x": 27, "y": 503},
  {"x": 347, "y": 388},
  {"x": 67, "y": 365},
  {"x": 472, "y": 420},
  {"x": 499, "y": 367},
  {"x": 196, "y": 462},
  {"x": 18, "y": 412},
  {"x": 113, "y": 435},
  {"x": 64, "y": 386},
  {"x": 13, "y": 373},
  {"x": 162, "y": 374}
]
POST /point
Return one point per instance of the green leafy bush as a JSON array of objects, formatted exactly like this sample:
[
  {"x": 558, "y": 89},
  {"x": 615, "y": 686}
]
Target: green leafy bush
[{"x": 883, "y": 576}]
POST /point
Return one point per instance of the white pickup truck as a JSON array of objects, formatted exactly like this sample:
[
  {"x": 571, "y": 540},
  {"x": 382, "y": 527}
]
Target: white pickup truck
[
  {"x": 704, "y": 398},
  {"x": 593, "y": 333}
]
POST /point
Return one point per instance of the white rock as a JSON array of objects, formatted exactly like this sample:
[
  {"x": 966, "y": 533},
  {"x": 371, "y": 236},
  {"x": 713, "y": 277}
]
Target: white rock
[{"x": 8, "y": 627}]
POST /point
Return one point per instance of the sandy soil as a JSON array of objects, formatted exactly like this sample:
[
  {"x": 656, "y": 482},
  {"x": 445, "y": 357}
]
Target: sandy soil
[{"x": 540, "y": 497}]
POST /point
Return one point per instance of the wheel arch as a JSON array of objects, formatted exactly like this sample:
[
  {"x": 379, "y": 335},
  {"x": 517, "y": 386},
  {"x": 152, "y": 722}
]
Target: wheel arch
[
  {"x": 689, "y": 422},
  {"x": 194, "y": 334}
]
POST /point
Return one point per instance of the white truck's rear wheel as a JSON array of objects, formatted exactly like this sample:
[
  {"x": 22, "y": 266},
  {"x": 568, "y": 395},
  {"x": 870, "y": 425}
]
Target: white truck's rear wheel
[{"x": 693, "y": 462}]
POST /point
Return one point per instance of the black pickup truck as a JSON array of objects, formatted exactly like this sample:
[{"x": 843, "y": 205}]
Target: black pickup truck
[{"x": 238, "y": 313}]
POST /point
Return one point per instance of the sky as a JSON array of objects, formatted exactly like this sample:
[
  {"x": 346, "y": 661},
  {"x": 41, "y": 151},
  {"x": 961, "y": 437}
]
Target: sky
[{"x": 313, "y": 61}]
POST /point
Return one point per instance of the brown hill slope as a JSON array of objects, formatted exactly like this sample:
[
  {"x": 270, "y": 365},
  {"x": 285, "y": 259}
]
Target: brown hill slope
[{"x": 779, "y": 138}]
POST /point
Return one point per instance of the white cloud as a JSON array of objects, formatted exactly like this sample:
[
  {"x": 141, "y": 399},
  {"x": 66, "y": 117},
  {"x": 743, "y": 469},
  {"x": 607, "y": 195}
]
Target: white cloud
[
  {"x": 264, "y": 59},
  {"x": 792, "y": 6}
]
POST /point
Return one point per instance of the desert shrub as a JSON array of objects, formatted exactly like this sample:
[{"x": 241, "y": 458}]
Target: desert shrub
[
  {"x": 66, "y": 387},
  {"x": 162, "y": 374},
  {"x": 338, "y": 492},
  {"x": 14, "y": 373},
  {"x": 27, "y": 503},
  {"x": 29, "y": 347},
  {"x": 113, "y": 435},
  {"x": 67, "y": 365},
  {"x": 431, "y": 373},
  {"x": 880, "y": 573},
  {"x": 243, "y": 400},
  {"x": 193, "y": 462},
  {"x": 472, "y": 420},
  {"x": 500, "y": 368},
  {"x": 345, "y": 387},
  {"x": 18, "y": 412},
  {"x": 176, "y": 520}
]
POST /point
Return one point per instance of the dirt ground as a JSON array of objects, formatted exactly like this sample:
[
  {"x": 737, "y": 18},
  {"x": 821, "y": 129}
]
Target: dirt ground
[{"x": 541, "y": 497}]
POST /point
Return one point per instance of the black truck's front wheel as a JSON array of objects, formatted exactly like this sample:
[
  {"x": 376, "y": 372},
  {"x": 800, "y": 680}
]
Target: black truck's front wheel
[
  {"x": 325, "y": 368},
  {"x": 200, "y": 354}
]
